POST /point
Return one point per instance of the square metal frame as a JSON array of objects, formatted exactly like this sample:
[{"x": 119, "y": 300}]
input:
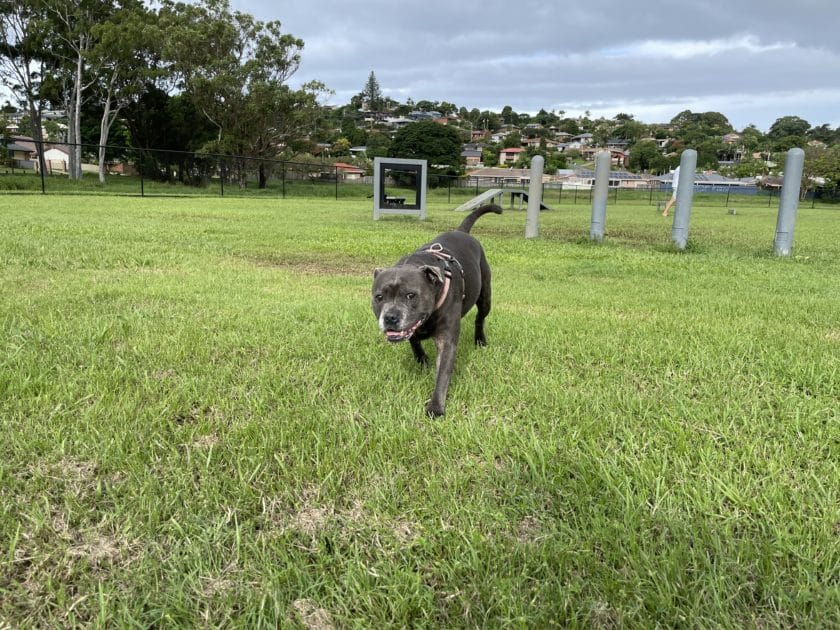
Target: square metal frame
[{"x": 382, "y": 204}]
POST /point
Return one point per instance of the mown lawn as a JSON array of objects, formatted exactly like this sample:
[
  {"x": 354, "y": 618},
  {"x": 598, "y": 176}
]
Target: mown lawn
[{"x": 201, "y": 425}]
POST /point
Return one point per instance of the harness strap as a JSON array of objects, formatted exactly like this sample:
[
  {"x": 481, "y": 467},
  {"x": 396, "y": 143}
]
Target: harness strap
[{"x": 436, "y": 250}]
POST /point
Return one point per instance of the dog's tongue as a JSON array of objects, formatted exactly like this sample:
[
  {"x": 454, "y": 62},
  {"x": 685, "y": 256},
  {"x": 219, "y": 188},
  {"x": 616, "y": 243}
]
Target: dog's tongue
[
  {"x": 397, "y": 335},
  {"x": 402, "y": 335}
]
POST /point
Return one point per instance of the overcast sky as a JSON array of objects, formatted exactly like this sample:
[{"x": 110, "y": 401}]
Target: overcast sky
[{"x": 752, "y": 60}]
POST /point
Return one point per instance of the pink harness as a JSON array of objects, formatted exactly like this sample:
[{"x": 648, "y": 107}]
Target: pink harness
[{"x": 436, "y": 250}]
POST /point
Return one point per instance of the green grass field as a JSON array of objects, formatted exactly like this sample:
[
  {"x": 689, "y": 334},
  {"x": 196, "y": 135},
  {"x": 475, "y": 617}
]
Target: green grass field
[{"x": 201, "y": 424}]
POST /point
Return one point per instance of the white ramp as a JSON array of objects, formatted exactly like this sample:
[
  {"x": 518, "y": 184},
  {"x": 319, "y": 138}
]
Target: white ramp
[{"x": 479, "y": 200}]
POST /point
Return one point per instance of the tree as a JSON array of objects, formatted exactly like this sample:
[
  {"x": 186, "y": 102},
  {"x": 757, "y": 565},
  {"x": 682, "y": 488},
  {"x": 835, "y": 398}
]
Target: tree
[
  {"x": 237, "y": 80},
  {"x": 509, "y": 117},
  {"x": 22, "y": 62},
  {"x": 826, "y": 164},
  {"x": 73, "y": 25},
  {"x": 788, "y": 126},
  {"x": 378, "y": 145},
  {"x": 646, "y": 156},
  {"x": 427, "y": 140},
  {"x": 372, "y": 94},
  {"x": 119, "y": 59}
]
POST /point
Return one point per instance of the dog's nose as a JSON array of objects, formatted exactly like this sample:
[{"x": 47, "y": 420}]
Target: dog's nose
[{"x": 391, "y": 319}]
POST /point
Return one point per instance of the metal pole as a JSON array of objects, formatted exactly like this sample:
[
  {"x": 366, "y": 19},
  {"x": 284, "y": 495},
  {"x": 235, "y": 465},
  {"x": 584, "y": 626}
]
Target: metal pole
[
  {"x": 336, "y": 182},
  {"x": 685, "y": 191},
  {"x": 41, "y": 163},
  {"x": 602, "y": 191},
  {"x": 789, "y": 202},
  {"x": 142, "y": 177},
  {"x": 532, "y": 216}
]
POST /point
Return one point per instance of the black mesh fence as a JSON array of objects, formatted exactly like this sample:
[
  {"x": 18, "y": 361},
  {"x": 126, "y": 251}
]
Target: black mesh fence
[{"x": 162, "y": 172}]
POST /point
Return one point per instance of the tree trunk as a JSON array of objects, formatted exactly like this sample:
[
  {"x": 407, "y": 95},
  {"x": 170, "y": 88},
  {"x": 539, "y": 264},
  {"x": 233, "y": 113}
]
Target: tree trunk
[
  {"x": 37, "y": 134},
  {"x": 108, "y": 118}
]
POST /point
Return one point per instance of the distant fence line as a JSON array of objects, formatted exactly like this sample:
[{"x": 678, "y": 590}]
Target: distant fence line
[{"x": 165, "y": 172}]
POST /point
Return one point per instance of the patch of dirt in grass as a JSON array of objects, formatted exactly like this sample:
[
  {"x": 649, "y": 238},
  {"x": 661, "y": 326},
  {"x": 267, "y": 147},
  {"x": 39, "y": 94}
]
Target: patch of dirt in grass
[
  {"x": 405, "y": 532},
  {"x": 833, "y": 335},
  {"x": 206, "y": 441},
  {"x": 529, "y": 530},
  {"x": 219, "y": 584},
  {"x": 602, "y": 616},
  {"x": 311, "y": 516},
  {"x": 313, "y": 265},
  {"x": 312, "y": 616}
]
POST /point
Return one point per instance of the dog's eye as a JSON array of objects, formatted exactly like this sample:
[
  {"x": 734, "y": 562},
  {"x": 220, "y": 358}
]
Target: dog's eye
[
  {"x": 378, "y": 297},
  {"x": 410, "y": 296}
]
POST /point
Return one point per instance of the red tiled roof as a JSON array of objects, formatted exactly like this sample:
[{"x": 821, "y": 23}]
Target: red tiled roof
[{"x": 347, "y": 167}]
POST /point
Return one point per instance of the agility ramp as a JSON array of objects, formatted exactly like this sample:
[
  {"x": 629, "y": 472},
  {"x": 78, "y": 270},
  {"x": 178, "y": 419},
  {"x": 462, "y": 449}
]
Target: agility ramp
[
  {"x": 479, "y": 200},
  {"x": 490, "y": 195}
]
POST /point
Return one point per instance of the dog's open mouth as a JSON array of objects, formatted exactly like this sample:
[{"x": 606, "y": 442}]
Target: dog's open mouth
[{"x": 401, "y": 335}]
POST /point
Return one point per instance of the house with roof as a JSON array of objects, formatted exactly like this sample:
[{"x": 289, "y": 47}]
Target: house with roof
[
  {"x": 509, "y": 156},
  {"x": 709, "y": 182},
  {"x": 56, "y": 158},
  {"x": 580, "y": 141},
  {"x": 540, "y": 142},
  {"x": 22, "y": 152},
  {"x": 472, "y": 157},
  {"x": 584, "y": 178},
  {"x": 348, "y": 172}
]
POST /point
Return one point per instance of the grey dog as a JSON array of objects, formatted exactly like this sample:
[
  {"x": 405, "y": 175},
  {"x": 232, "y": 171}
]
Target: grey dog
[{"x": 428, "y": 292}]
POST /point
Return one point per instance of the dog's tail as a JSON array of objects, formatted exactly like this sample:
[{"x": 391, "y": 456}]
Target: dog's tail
[{"x": 472, "y": 217}]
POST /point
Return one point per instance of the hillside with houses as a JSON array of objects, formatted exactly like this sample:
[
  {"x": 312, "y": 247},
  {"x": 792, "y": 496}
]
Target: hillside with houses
[{"x": 496, "y": 148}]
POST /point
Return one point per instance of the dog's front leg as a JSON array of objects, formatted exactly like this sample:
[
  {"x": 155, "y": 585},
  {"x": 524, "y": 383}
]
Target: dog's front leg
[{"x": 447, "y": 345}]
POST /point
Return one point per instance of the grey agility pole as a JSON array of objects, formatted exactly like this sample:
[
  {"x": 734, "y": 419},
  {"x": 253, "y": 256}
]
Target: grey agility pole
[
  {"x": 532, "y": 216},
  {"x": 685, "y": 192},
  {"x": 599, "y": 199},
  {"x": 789, "y": 202}
]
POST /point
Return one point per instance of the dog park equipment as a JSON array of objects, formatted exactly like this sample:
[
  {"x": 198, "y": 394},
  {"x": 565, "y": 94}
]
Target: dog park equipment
[
  {"x": 599, "y": 197},
  {"x": 532, "y": 215},
  {"x": 385, "y": 204},
  {"x": 488, "y": 196},
  {"x": 789, "y": 202},
  {"x": 685, "y": 192}
]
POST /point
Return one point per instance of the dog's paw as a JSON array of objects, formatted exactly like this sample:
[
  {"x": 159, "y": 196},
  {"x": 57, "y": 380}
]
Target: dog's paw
[
  {"x": 422, "y": 360},
  {"x": 481, "y": 341},
  {"x": 434, "y": 410}
]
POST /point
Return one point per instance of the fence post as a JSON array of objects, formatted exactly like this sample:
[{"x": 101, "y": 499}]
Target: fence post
[
  {"x": 284, "y": 179},
  {"x": 336, "y": 182},
  {"x": 142, "y": 177},
  {"x": 42, "y": 166},
  {"x": 222, "y": 174}
]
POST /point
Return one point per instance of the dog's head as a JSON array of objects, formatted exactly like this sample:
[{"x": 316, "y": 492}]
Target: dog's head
[{"x": 404, "y": 297}]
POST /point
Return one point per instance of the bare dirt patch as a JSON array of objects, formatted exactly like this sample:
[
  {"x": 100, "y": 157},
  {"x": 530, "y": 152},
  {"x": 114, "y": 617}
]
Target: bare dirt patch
[
  {"x": 312, "y": 265},
  {"x": 312, "y": 616}
]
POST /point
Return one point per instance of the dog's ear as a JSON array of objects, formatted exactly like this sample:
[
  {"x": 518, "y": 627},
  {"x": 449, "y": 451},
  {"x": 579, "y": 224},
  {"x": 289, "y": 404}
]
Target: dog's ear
[
  {"x": 376, "y": 272},
  {"x": 433, "y": 274}
]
